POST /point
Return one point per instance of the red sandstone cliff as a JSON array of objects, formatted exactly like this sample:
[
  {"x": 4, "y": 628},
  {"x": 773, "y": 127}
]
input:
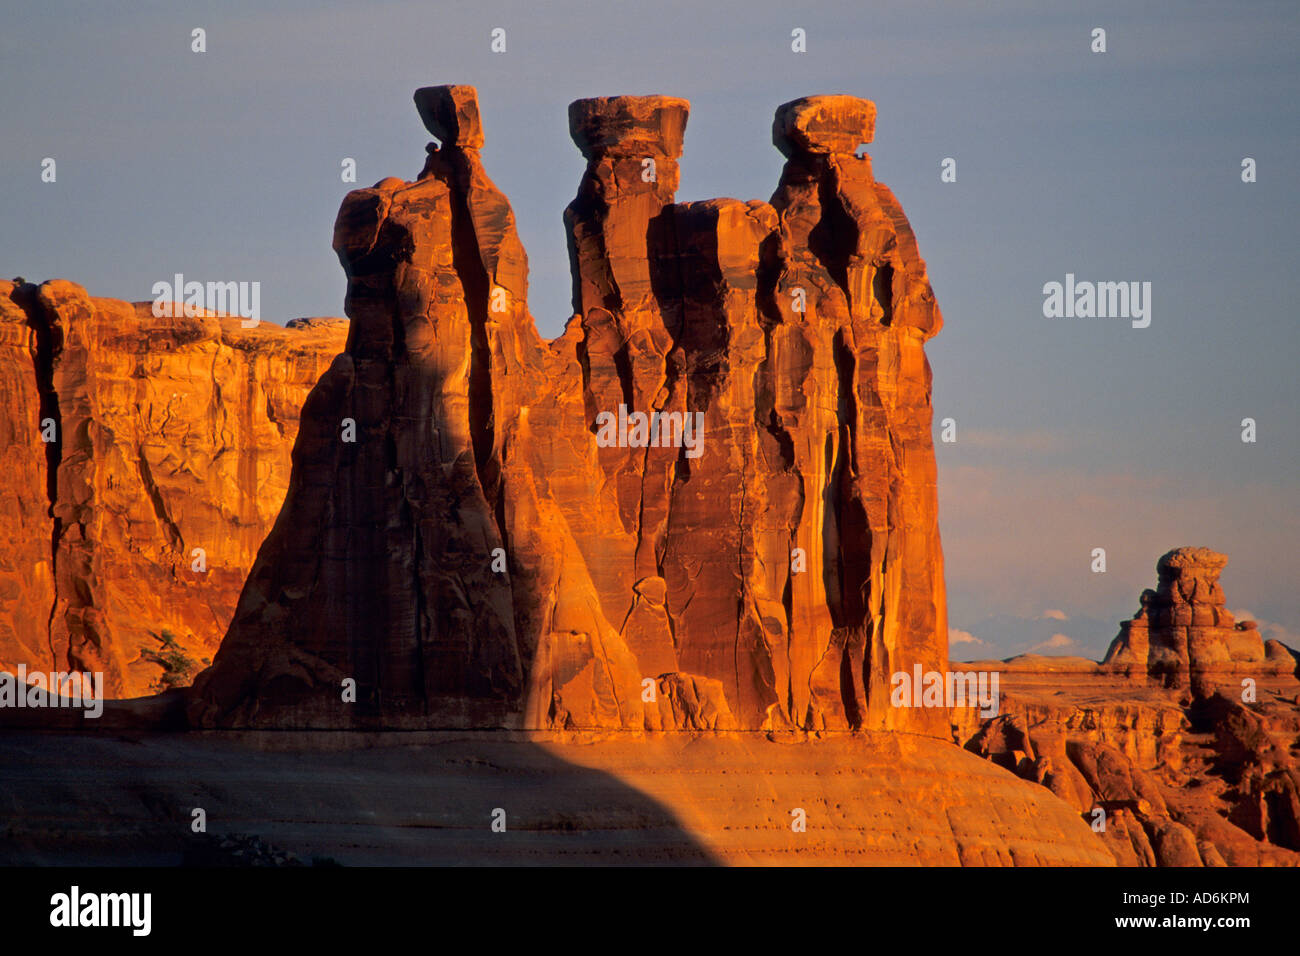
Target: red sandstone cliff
[{"x": 168, "y": 435}]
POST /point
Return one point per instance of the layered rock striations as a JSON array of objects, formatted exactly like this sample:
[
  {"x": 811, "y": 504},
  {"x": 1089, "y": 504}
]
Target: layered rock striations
[
  {"x": 129, "y": 442},
  {"x": 709, "y": 504}
]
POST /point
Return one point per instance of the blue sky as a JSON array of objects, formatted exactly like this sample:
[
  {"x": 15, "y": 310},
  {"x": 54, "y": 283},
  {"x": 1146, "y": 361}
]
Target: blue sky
[{"x": 1072, "y": 433}]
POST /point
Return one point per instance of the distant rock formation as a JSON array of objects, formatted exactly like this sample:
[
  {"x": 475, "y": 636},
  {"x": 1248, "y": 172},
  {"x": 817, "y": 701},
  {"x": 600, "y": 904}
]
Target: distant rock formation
[
  {"x": 1183, "y": 631},
  {"x": 1181, "y": 749},
  {"x": 165, "y": 435},
  {"x": 1164, "y": 776},
  {"x": 484, "y": 555}
]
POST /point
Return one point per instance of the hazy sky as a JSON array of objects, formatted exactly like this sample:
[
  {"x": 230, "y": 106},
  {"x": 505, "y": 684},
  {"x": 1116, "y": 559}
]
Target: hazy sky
[{"x": 1072, "y": 434}]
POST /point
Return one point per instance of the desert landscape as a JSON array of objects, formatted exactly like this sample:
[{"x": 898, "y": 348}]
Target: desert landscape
[{"x": 420, "y": 586}]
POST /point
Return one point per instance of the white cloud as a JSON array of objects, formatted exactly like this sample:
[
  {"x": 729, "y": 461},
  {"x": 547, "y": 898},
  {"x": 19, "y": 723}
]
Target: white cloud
[
  {"x": 1054, "y": 643},
  {"x": 956, "y": 636},
  {"x": 1051, "y": 614}
]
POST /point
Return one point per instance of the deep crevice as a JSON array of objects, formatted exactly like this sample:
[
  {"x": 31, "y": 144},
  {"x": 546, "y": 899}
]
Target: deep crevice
[
  {"x": 478, "y": 286},
  {"x": 467, "y": 261},
  {"x": 847, "y": 697},
  {"x": 882, "y": 289},
  {"x": 49, "y": 344},
  {"x": 853, "y": 540},
  {"x": 835, "y": 236}
]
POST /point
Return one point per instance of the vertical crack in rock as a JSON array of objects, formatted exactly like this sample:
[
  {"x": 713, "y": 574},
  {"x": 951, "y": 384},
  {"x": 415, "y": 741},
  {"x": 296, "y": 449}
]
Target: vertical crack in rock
[
  {"x": 848, "y": 563},
  {"x": 882, "y": 291},
  {"x": 174, "y": 536},
  {"x": 47, "y": 337},
  {"x": 80, "y": 630},
  {"x": 664, "y": 255},
  {"x": 468, "y": 263}
]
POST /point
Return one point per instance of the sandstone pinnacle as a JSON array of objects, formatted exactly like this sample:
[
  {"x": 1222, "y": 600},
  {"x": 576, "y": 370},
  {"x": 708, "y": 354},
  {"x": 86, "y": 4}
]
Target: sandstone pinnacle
[
  {"x": 1184, "y": 632},
  {"x": 478, "y": 558}
]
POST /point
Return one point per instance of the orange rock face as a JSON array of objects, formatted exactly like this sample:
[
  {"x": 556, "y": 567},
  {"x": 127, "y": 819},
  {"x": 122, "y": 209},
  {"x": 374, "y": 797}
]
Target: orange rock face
[
  {"x": 710, "y": 503},
  {"x": 166, "y": 436},
  {"x": 1184, "y": 632}
]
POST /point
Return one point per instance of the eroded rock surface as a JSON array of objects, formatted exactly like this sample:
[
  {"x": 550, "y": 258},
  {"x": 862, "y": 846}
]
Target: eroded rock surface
[
  {"x": 1164, "y": 780},
  {"x": 167, "y": 435},
  {"x": 1181, "y": 749},
  {"x": 482, "y": 555}
]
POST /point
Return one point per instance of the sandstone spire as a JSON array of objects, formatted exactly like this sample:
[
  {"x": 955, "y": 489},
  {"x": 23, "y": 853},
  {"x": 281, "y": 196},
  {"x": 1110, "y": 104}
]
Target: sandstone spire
[
  {"x": 850, "y": 397},
  {"x": 1184, "y": 630},
  {"x": 479, "y": 557}
]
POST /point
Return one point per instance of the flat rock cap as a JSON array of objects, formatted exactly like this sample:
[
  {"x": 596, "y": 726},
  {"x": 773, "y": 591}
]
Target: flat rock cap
[
  {"x": 1180, "y": 558},
  {"x": 629, "y": 124},
  {"x": 450, "y": 113},
  {"x": 823, "y": 124}
]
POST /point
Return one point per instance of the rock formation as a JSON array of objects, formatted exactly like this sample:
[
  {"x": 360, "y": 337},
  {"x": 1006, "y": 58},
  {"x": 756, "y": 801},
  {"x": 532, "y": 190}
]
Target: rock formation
[
  {"x": 1181, "y": 749},
  {"x": 1178, "y": 781},
  {"x": 165, "y": 435},
  {"x": 758, "y": 548},
  {"x": 709, "y": 505},
  {"x": 1184, "y": 632}
]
